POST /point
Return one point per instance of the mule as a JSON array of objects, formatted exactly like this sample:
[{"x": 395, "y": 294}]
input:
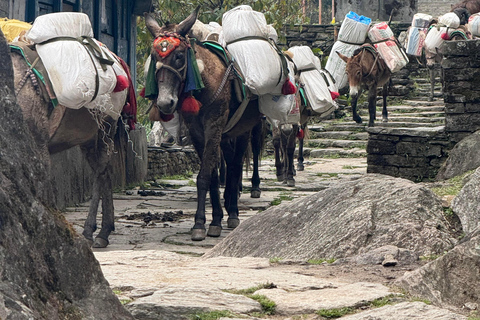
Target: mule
[
  {"x": 366, "y": 70},
  {"x": 58, "y": 129},
  {"x": 207, "y": 126}
]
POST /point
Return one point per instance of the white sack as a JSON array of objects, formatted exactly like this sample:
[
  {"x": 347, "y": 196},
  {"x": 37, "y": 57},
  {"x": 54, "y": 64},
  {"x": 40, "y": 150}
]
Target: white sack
[
  {"x": 303, "y": 57},
  {"x": 415, "y": 41},
  {"x": 450, "y": 20},
  {"x": 353, "y": 31},
  {"x": 421, "y": 20},
  {"x": 317, "y": 93},
  {"x": 72, "y": 73},
  {"x": 474, "y": 24},
  {"x": 260, "y": 65},
  {"x": 434, "y": 41},
  {"x": 243, "y": 21},
  {"x": 336, "y": 66},
  {"x": 392, "y": 54},
  {"x": 60, "y": 24}
]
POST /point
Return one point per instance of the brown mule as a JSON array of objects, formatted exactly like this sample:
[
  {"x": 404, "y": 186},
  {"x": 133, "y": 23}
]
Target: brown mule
[
  {"x": 367, "y": 70},
  {"x": 207, "y": 127}
]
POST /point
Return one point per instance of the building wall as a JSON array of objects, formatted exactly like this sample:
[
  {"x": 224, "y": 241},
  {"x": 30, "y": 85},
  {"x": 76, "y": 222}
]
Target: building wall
[{"x": 435, "y": 8}]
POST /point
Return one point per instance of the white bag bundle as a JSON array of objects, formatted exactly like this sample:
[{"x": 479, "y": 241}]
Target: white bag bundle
[
  {"x": 434, "y": 41},
  {"x": 351, "y": 35},
  {"x": 317, "y": 93},
  {"x": 303, "y": 57},
  {"x": 474, "y": 24},
  {"x": 391, "y": 53},
  {"x": 243, "y": 21},
  {"x": 450, "y": 20},
  {"x": 280, "y": 107},
  {"x": 421, "y": 20},
  {"x": 60, "y": 24}
]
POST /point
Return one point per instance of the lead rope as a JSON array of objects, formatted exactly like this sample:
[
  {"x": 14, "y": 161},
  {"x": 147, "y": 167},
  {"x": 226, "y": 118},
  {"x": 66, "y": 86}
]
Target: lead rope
[{"x": 29, "y": 74}]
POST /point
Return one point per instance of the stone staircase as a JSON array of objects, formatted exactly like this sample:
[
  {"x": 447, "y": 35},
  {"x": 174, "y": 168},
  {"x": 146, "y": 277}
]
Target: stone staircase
[{"x": 343, "y": 138}]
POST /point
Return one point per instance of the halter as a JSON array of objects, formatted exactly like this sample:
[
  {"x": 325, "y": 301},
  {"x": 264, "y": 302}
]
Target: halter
[{"x": 166, "y": 43}]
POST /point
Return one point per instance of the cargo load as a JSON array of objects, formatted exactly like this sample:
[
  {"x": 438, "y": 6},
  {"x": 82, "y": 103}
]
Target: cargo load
[
  {"x": 417, "y": 33},
  {"x": 387, "y": 46}
]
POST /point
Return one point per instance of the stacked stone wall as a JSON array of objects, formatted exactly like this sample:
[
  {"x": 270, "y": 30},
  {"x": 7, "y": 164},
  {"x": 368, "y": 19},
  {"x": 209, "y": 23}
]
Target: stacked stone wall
[
  {"x": 411, "y": 153},
  {"x": 164, "y": 162},
  {"x": 461, "y": 68}
]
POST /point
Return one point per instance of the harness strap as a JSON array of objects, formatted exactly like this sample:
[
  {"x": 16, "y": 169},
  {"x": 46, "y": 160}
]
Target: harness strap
[
  {"x": 237, "y": 115},
  {"x": 226, "y": 76}
]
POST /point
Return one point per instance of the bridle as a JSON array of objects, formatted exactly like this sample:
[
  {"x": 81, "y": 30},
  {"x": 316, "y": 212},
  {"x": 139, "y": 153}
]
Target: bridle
[{"x": 166, "y": 43}]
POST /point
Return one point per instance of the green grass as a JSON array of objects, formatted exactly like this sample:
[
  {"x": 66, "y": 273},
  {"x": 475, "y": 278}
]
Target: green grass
[
  {"x": 335, "y": 313},
  {"x": 184, "y": 176},
  {"x": 430, "y": 257},
  {"x": 268, "y": 306},
  {"x": 280, "y": 198},
  {"x": 320, "y": 261},
  {"x": 331, "y": 175},
  {"x": 275, "y": 260},
  {"x": 213, "y": 315},
  {"x": 349, "y": 167},
  {"x": 452, "y": 186}
]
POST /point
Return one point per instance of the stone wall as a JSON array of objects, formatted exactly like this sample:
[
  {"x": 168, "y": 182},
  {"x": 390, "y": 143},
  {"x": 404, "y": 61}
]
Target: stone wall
[
  {"x": 171, "y": 161},
  {"x": 461, "y": 68},
  {"x": 411, "y": 153}
]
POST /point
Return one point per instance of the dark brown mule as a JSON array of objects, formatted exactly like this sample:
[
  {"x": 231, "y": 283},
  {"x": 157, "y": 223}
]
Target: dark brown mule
[
  {"x": 207, "y": 128},
  {"x": 367, "y": 70},
  {"x": 57, "y": 129}
]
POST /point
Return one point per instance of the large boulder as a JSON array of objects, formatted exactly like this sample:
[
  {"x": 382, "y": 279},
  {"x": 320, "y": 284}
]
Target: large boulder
[
  {"x": 349, "y": 218},
  {"x": 466, "y": 203},
  {"x": 450, "y": 280},
  {"x": 465, "y": 156},
  {"x": 48, "y": 272}
]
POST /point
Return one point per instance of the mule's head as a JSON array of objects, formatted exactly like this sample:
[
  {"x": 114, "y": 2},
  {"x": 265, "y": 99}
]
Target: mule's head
[
  {"x": 169, "y": 54},
  {"x": 354, "y": 72}
]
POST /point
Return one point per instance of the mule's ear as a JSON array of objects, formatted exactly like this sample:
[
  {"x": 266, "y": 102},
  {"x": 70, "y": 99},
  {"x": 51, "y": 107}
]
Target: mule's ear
[
  {"x": 184, "y": 27},
  {"x": 152, "y": 24},
  {"x": 344, "y": 58}
]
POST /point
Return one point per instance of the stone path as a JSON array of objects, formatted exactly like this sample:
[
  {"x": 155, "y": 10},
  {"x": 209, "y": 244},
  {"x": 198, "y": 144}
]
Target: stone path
[{"x": 159, "y": 273}]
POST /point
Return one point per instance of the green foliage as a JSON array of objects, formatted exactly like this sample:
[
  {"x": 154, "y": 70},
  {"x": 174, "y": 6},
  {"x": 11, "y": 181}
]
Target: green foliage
[
  {"x": 320, "y": 261},
  {"x": 280, "y": 198},
  {"x": 451, "y": 186},
  {"x": 334, "y": 313},
  {"x": 268, "y": 306},
  {"x": 251, "y": 290},
  {"x": 213, "y": 315},
  {"x": 275, "y": 260}
]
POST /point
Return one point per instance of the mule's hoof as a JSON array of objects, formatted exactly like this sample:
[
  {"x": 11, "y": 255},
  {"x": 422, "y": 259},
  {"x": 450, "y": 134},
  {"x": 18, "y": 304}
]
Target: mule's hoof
[
  {"x": 290, "y": 182},
  {"x": 232, "y": 223},
  {"x": 198, "y": 234},
  {"x": 100, "y": 243},
  {"x": 280, "y": 177},
  {"x": 214, "y": 231},
  {"x": 300, "y": 167},
  {"x": 384, "y": 120},
  {"x": 255, "y": 193}
]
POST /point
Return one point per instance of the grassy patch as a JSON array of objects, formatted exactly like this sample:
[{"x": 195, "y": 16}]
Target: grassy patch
[
  {"x": 184, "y": 176},
  {"x": 430, "y": 257},
  {"x": 281, "y": 197},
  {"x": 335, "y": 313},
  {"x": 452, "y": 186},
  {"x": 377, "y": 303},
  {"x": 331, "y": 175},
  {"x": 275, "y": 260},
  {"x": 213, "y": 315},
  {"x": 320, "y": 261},
  {"x": 268, "y": 306}
]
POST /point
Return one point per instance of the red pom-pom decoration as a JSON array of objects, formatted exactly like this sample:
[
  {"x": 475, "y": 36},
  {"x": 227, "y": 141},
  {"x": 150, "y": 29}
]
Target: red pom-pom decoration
[
  {"x": 334, "y": 95},
  {"x": 300, "y": 134},
  {"x": 444, "y": 36},
  {"x": 142, "y": 93},
  {"x": 166, "y": 117},
  {"x": 191, "y": 105},
  {"x": 122, "y": 83},
  {"x": 288, "y": 88}
]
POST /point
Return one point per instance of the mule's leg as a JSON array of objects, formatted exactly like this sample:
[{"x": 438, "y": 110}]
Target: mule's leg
[
  {"x": 222, "y": 169},
  {"x": 356, "y": 117},
  {"x": 256, "y": 141},
  {"x": 277, "y": 145},
  {"x": 384, "y": 105},
  {"x": 215, "y": 228},
  {"x": 372, "y": 105},
  {"x": 300, "y": 165},
  {"x": 234, "y": 161},
  {"x": 290, "y": 150},
  {"x": 431, "y": 72},
  {"x": 90, "y": 225}
]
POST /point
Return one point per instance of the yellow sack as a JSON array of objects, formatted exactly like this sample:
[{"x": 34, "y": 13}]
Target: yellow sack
[{"x": 12, "y": 28}]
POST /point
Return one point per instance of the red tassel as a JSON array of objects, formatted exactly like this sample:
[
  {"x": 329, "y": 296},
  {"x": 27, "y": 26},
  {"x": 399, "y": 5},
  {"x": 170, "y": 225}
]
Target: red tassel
[
  {"x": 334, "y": 95},
  {"x": 191, "y": 105},
  {"x": 300, "y": 134},
  {"x": 166, "y": 117},
  {"x": 444, "y": 36},
  {"x": 122, "y": 84},
  {"x": 288, "y": 88},
  {"x": 142, "y": 93}
]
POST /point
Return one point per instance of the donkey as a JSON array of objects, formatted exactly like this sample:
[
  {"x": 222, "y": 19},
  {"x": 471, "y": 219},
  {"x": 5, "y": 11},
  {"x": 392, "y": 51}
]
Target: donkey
[
  {"x": 57, "y": 129},
  {"x": 367, "y": 70},
  {"x": 210, "y": 126}
]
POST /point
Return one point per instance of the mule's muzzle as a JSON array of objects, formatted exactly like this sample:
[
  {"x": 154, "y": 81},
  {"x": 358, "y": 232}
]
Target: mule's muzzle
[{"x": 168, "y": 106}]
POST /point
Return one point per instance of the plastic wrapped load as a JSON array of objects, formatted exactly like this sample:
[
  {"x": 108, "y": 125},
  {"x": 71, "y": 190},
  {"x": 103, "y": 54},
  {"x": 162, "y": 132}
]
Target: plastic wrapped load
[
  {"x": 474, "y": 24},
  {"x": 303, "y": 57},
  {"x": 450, "y": 20},
  {"x": 415, "y": 41},
  {"x": 391, "y": 53},
  {"x": 351, "y": 35},
  {"x": 243, "y": 21},
  {"x": 421, "y": 20},
  {"x": 60, "y": 24},
  {"x": 434, "y": 41},
  {"x": 72, "y": 71},
  {"x": 258, "y": 59},
  {"x": 282, "y": 108},
  {"x": 317, "y": 93}
]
